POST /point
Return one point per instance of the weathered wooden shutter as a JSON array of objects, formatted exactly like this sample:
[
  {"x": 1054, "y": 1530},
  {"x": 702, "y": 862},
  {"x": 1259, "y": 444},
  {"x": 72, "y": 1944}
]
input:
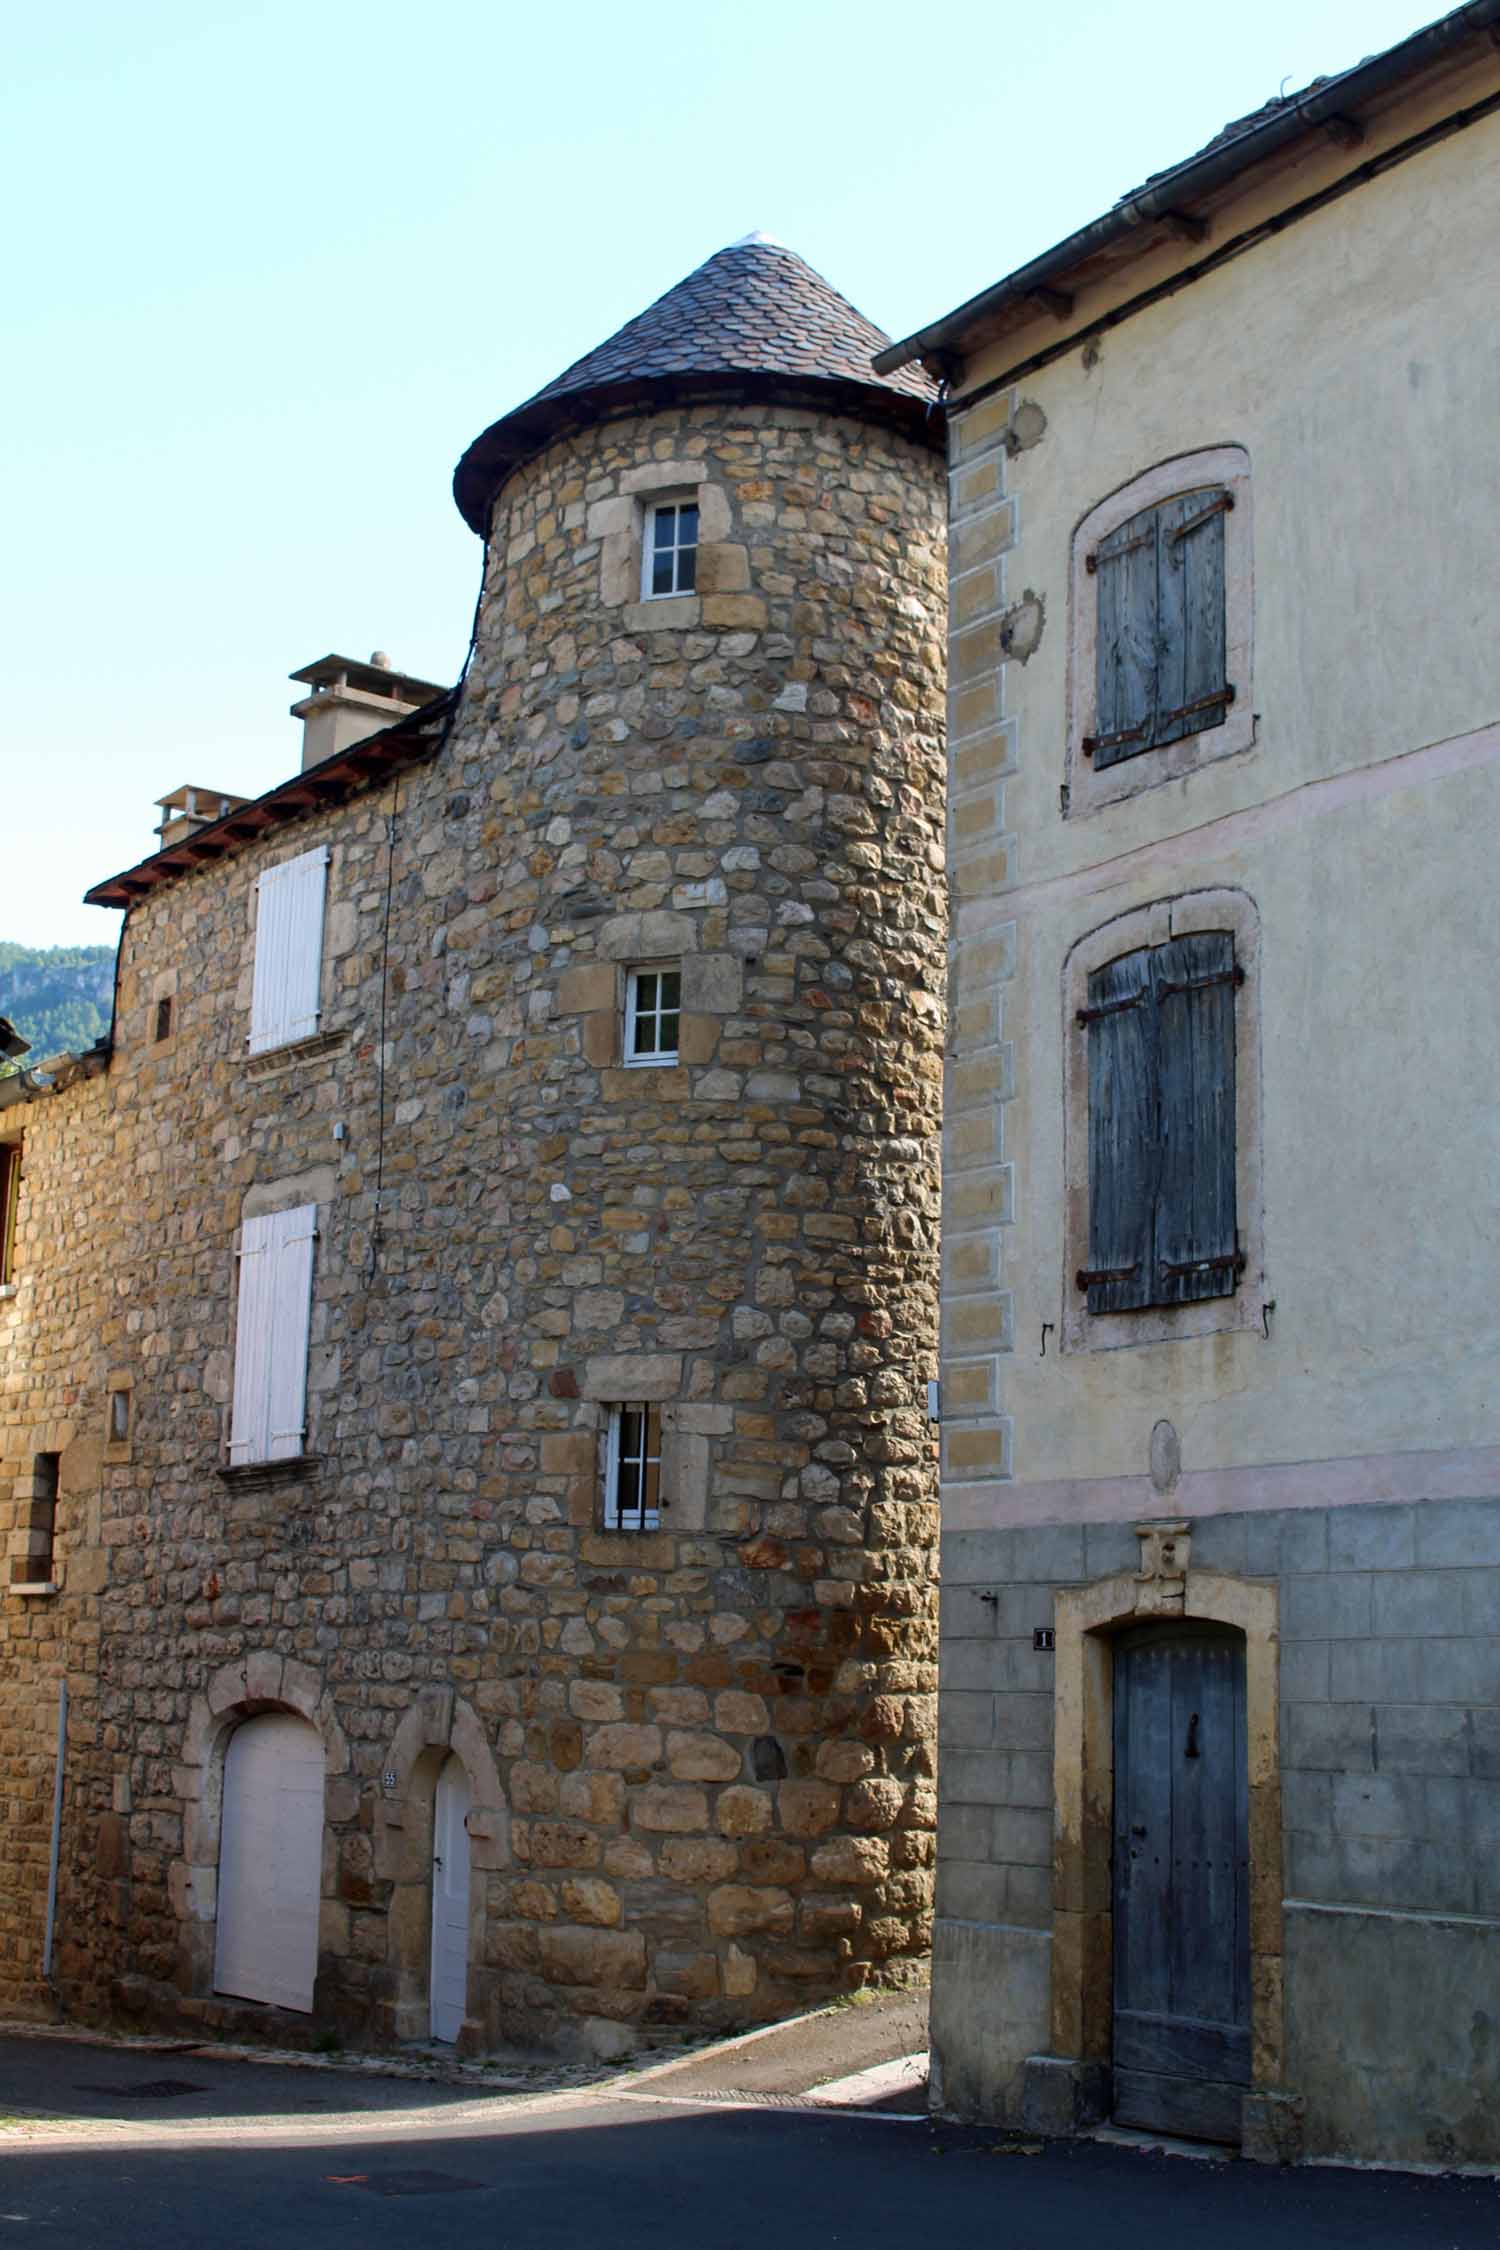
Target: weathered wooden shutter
[
  {"x": 1191, "y": 686},
  {"x": 1195, "y": 1246},
  {"x": 1125, "y": 572},
  {"x": 288, "y": 951},
  {"x": 271, "y": 1336},
  {"x": 1121, "y": 1024}
]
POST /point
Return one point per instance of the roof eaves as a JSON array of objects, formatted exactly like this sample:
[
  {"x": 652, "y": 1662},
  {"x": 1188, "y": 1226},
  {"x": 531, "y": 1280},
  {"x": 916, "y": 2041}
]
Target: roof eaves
[
  {"x": 1166, "y": 194},
  {"x": 358, "y": 766}
]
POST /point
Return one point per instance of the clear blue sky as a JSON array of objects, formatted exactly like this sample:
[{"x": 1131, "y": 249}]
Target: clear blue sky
[{"x": 271, "y": 267}]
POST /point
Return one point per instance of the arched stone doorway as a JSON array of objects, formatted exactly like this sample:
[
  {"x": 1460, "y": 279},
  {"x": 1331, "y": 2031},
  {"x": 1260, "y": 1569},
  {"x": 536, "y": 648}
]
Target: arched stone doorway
[
  {"x": 251, "y": 1688},
  {"x": 270, "y": 1862},
  {"x": 437, "y": 1730}
]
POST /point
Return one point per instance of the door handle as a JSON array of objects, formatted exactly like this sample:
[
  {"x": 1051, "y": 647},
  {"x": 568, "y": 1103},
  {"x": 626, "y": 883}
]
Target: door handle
[{"x": 1192, "y": 1750}]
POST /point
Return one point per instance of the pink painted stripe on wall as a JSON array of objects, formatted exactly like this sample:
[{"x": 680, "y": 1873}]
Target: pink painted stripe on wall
[
  {"x": 1409, "y": 769},
  {"x": 1366, "y": 1480}
]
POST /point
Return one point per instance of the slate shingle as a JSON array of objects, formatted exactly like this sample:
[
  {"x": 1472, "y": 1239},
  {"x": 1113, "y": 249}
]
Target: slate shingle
[{"x": 753, "y": 310}]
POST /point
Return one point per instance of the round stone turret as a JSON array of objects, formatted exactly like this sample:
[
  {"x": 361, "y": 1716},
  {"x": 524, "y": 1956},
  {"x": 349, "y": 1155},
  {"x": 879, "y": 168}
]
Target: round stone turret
[{"x": 701, "y": 749}]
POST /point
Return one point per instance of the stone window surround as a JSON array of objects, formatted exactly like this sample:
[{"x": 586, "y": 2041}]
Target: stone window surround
[
  {"x": 163, "y": 989},
  {"x": 119, "y": 1382},
  {"x": 1226, "y": 465},
  {"x": 618, "y": 522},
  {"x": 1220, "y": 909},
  {"x": 1085, "y": 1620},
  {"x": 594, "y": 991}
]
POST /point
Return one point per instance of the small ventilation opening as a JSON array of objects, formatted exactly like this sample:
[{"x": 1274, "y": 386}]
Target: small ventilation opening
[{"x": 163, "y": 1028}]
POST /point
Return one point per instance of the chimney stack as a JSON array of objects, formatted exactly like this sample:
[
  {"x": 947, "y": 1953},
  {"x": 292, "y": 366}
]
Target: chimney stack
[
  {"x": 349, "y": 702},
  {"x": 188, "y": 808}
]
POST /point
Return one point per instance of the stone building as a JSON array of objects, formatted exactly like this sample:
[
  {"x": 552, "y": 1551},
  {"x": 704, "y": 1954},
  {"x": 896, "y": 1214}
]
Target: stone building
[
  {"x": 464, "y": 1361},
  {"x": 1220, "y": 1414}
]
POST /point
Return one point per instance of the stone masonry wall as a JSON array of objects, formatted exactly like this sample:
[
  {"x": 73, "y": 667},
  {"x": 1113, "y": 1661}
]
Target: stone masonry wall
[
  {"x": 709, "y": 1748},
  {"x": 1390, "y": 1757}
]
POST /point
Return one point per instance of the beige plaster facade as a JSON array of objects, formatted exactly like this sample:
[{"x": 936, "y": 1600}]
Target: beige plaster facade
[{"x": 1311, "y": 335}]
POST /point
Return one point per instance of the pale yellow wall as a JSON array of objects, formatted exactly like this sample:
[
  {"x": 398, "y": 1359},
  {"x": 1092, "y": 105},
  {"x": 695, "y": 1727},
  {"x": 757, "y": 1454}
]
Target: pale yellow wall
[{"x": 1353, "y": 358}]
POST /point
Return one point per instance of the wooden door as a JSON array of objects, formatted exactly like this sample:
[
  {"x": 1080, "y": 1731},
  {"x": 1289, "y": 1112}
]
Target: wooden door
[
  {"x": 270, "y": 1862},
  {"x": 450, "y": 1901},
  {"x": 1181, "y": 1881}
]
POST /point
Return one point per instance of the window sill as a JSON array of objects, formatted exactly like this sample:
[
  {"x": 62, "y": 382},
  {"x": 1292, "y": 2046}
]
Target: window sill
[
  {"x": 270, "y": 1062},
  {"x": 31, "y": 1588},
  {"x": 651, "y": 1062},
  {"x": 292, "y": 1469}
]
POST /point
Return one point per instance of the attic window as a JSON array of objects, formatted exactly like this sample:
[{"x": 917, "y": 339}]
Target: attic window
[{"x": 669, "y": 553}]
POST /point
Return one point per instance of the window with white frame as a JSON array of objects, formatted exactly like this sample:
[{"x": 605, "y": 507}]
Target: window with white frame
[
  {"x": 284, "y": 1004},
  {"x": 272, "y": 1330},
  {"x": 669, "y": 551},
  {"x": 653, "y": 1015},
  {"x": 632, "y": 1469}
]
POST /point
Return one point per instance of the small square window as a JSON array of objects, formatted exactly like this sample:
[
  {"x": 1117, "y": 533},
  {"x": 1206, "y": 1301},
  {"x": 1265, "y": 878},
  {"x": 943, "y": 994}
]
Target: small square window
[
  {"x": 632, "y": 1475},
  {"x": 669, "y": 554},
  {"x": 653, "y": 1015}
]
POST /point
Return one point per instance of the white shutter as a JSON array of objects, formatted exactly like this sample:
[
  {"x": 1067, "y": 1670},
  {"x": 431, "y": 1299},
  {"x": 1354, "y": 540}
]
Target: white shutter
[
  {"x": 248, "y": 1436},
  {"x": 271, "y": 1336},
  {"x": 288, "y": 951}
]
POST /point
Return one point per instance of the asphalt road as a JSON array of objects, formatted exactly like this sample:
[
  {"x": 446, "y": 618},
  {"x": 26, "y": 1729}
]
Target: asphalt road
[{"x": 629, "y": 2172}]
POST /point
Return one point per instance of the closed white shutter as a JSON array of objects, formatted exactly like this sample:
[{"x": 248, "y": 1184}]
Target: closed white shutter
[
  {"x": 288, "y": 951},
  {"x": 271, "y": 1336}
]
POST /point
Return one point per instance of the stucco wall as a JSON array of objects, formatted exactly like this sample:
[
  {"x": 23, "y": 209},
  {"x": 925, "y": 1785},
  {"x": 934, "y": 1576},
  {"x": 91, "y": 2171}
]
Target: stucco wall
[
  {"x": 1338, "y": 1439},
  {"x": 1351, "y": 363}
]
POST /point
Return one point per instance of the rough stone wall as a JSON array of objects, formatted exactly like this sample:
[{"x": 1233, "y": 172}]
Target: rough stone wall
[
  {"x": 713, "y": 1742},
  {"x": 56, "y": 1332}
]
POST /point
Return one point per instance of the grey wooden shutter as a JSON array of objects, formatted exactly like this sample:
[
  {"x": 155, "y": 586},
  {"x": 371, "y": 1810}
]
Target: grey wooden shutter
[
  {"x": 1195, "y": 1244},
  {"x": 1121, "y": 1025},
  {"x": 1125, "y": 573},
  {"x": 1191, "y": 687}
]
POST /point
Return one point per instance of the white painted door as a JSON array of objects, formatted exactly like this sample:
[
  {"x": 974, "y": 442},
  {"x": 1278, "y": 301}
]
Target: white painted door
[
  {"x": 270, "y": 1862},
  {"x": 450, "y": 1901}
]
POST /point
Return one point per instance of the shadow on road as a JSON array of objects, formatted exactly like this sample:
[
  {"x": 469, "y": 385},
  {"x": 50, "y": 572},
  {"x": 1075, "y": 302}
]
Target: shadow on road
[{"x": 637, "y": 2176}]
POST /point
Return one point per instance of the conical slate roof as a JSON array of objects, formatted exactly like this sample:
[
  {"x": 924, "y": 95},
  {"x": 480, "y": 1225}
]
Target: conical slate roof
[{"x": 753, "y": 320}]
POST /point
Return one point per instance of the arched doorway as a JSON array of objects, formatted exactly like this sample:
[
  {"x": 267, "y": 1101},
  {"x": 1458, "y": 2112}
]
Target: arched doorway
[
  {"x": 449, "y": 1983},
  {"x": 270, "y": 1862}
]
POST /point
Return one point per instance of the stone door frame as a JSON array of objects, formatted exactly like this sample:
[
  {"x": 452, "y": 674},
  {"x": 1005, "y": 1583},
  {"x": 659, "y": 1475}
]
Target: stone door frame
[
  {"x": 437, "y": 1726},
  {"x": 1086, "y": 1621},
  {"x": 246, "y": 1689}
]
